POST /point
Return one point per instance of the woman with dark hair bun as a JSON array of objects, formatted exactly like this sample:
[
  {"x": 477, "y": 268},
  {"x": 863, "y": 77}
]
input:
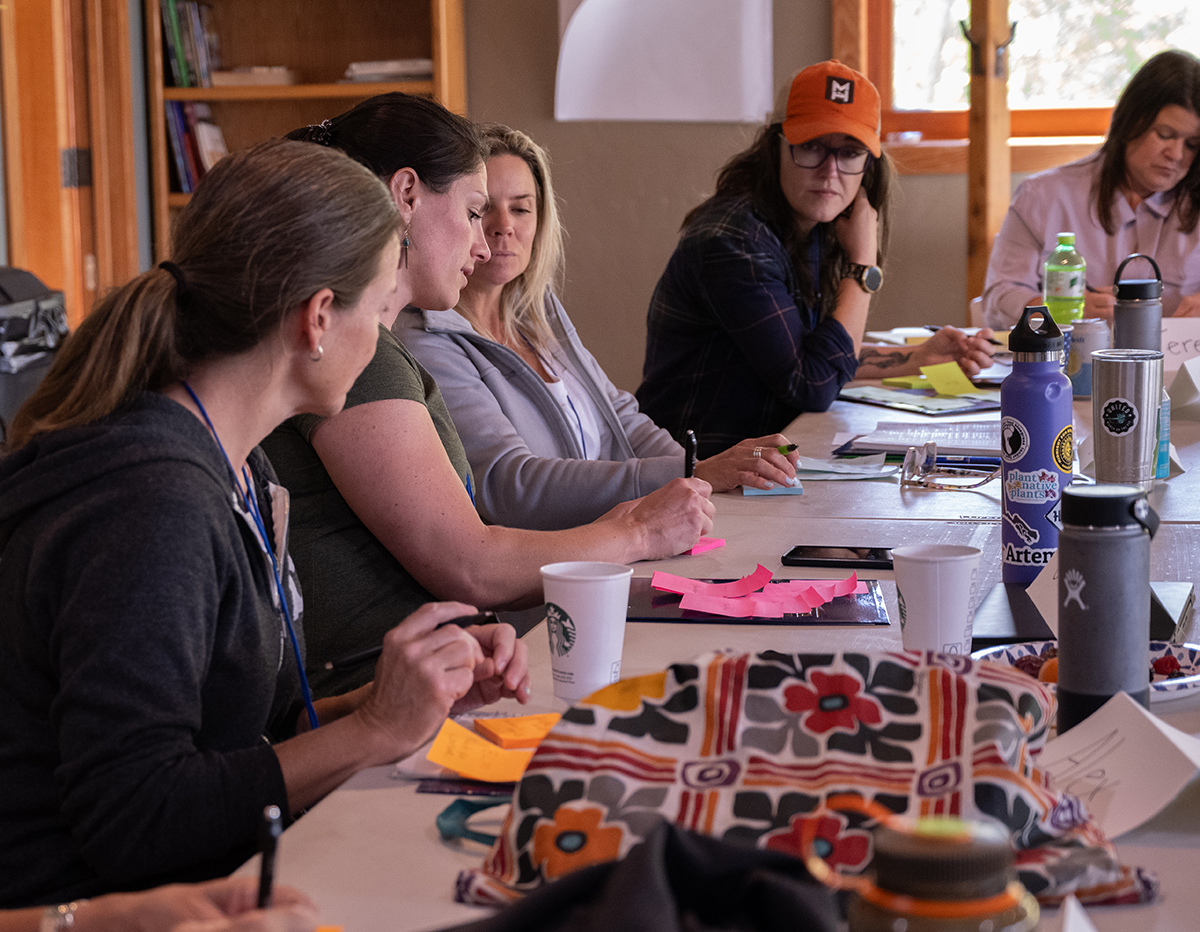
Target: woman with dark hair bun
[
  {"x": 1139, "y": 192},
  {"x": 761, "y": 311},
  {"x": 153, "y": 701},
  {"x": 383, "y": 515}
]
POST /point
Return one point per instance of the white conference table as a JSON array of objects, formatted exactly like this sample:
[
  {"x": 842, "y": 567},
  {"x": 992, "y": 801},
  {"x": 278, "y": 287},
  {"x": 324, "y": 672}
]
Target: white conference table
[{"x": 370, "y": 854}]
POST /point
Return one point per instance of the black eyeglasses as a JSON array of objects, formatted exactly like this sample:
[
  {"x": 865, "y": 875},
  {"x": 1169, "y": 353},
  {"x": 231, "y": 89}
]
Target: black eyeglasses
[{"x": 851, "y": 160}]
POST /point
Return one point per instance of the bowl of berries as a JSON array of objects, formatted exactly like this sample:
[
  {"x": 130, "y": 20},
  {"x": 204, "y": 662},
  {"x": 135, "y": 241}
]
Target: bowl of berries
[{"x": 1174, "y": 668}]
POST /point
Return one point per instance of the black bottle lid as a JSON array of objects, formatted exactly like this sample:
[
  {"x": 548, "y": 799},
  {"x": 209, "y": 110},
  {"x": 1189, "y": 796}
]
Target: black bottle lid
[
  {"x": 1137, "y": 289},
  {"x": 943, "y": 859},
  {"x": 1107, "y": 505},
  {"x": 1045, "y": 338}
]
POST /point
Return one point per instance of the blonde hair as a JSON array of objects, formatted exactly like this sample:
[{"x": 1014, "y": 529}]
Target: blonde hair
[
  {"x": 523, "y": 300},
  {"x": 267, "y": 228}
]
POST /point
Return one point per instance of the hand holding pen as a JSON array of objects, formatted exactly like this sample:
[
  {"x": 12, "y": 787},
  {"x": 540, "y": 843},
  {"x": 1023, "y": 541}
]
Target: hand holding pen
[
  {"x": 761, "y": 463},
  {"x": 429, "y": 669}
]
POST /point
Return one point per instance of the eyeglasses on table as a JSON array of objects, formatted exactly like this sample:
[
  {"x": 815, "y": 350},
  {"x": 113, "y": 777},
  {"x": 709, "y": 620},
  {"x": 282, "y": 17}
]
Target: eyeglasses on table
[{"x": 922, "y": 470}]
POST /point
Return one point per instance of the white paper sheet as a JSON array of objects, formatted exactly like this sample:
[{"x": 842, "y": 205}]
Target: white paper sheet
[
  {"x": 674, "y": 60},
  {"x": 1102, "y": 760}
]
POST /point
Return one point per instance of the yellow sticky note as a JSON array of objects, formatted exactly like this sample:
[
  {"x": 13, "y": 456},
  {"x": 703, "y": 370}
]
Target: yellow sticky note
[
  {"x": 521, "y": 731},
  {"x": 466, "y": 753},
  {"x": 907, "y": 381},
  {"x": 947, "y": 379}
]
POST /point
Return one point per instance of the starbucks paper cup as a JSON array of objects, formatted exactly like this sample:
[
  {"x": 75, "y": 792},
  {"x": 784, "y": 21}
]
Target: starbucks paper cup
[
  {"x": 936, "y": 586},
  {"x": 586, "y": 604}
]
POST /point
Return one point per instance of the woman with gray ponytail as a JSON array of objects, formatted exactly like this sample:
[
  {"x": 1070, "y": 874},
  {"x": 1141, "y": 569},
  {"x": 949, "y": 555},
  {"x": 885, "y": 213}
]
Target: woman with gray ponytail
[{"x": 153, "y": 700}]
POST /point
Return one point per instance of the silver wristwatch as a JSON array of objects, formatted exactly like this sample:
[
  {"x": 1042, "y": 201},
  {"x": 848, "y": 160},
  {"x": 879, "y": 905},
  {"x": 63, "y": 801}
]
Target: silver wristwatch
[
  {"x": 59, "y": 918},
  {"x": 869, "y": 277}
]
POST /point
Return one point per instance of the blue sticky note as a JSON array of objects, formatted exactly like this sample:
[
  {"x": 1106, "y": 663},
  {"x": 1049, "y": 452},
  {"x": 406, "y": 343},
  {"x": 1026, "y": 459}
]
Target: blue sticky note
[{"x": 796, "y": 489}]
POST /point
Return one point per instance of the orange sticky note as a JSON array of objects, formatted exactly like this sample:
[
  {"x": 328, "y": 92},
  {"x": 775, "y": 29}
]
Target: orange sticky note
[
  {"x": 466, "y": 753},
  {"x": 947, "y": 379},
  {"x": 520, "y": 731}
]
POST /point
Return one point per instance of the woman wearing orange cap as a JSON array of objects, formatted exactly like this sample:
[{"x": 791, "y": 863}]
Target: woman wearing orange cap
[{"x": 761, "y": 310}]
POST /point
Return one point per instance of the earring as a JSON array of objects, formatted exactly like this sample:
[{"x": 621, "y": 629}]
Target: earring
[
  {"x": 316, "y": 354},
  {"x": 404, "y": 244}
]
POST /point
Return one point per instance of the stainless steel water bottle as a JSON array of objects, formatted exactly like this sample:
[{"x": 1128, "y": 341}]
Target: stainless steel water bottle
[
  {"x": 1137, "y": 324},
  {"x": 1103, "y": 598},
  {"x": 1036, "y": 446}
]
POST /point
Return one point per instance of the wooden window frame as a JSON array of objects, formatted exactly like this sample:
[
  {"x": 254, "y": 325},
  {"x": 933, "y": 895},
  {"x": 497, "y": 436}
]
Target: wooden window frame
[{"x": 1040, "y": 138}]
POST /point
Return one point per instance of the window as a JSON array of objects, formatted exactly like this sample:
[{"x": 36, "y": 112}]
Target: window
[{"x": 1078, "y": 54}]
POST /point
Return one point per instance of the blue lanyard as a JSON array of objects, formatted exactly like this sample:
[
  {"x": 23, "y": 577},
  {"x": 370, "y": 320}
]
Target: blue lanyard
[{"x": 249, "y": 502}]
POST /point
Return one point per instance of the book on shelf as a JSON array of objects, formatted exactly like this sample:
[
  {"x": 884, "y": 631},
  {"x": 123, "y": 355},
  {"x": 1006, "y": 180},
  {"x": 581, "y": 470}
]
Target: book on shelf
[
  {"x": 173, "y": 42},
  {"x": 189, "y": 40},
  {"x": 254, "y": 75},
  {"x": 197, "y": 142},
  {"x": 398, "y": 69},
  {"x": 175, "y": 135}
]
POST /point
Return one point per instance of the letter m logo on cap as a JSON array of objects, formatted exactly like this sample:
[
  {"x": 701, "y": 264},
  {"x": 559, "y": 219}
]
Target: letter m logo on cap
[{"x": 839, "y": 90}]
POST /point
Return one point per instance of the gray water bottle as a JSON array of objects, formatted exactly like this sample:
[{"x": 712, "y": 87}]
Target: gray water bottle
[
  {"x": 1103, "y": 598},
  {"x": 1137, "y": 314}
]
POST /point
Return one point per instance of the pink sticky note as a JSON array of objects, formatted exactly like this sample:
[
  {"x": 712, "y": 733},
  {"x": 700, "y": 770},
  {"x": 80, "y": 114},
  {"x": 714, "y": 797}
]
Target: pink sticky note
[
  {"x": 667, "y": 582},
  {"x": 705, "y": 544}
]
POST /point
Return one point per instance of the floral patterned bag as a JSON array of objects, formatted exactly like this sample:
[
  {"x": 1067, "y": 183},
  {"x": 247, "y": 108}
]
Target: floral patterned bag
[{"x": 747, "y": 747}]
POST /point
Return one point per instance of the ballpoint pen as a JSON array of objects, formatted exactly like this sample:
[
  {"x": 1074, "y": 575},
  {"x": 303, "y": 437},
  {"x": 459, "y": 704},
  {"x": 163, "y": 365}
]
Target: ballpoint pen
[
  {"x": 349, "y": 661},
  {"x": 268, "y": 843},
  {"x": 934, "y": 329},
  {"x": 689, "y": 461}
]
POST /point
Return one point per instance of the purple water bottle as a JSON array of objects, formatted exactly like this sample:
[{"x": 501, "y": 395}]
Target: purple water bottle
[{"x": 1036, "y": 446}]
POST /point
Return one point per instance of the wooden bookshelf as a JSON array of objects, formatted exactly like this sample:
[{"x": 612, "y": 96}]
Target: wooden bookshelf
[{"x": 316, "y": 39}]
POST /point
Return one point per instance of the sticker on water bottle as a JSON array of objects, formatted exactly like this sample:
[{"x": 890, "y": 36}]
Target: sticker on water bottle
[
  {"x": 1064, "y": 449},
  {"x": 1031, "y": 487},
  {"x": 1024, "y": 530},
  {"x": 1014, "y": 439},
  {"x": 1054, "y": 515},
  {"x": 1118, "y": 416}
]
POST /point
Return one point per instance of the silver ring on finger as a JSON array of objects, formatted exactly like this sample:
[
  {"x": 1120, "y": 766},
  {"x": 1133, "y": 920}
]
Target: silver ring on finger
[{"x": 758, "y": 453}]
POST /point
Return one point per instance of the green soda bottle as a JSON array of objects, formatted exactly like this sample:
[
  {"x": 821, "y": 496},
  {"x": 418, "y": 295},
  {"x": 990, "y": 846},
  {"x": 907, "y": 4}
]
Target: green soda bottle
[{"x": 1064, "y": 278}]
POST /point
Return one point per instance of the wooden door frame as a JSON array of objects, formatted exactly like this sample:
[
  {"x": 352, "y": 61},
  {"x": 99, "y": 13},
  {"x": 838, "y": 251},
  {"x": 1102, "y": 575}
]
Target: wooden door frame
[{"x": 70, "y": 174}]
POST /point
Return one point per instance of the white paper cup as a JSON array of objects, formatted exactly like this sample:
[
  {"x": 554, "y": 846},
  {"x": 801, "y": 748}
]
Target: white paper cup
[
  {"x": 586, "y": 605},
  {"x": 936, "y": 586}
]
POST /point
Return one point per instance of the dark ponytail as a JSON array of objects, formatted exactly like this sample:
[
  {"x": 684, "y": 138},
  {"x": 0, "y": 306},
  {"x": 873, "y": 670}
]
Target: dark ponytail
[{"x": 267, "y": 228}]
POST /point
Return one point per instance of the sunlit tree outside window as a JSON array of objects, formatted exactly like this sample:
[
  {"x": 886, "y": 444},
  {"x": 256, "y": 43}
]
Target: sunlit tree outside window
[{"x": 1077, "y": 54}]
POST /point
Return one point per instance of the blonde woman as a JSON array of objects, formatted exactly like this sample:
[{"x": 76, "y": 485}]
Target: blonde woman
[{"x": 552, "y": 442}]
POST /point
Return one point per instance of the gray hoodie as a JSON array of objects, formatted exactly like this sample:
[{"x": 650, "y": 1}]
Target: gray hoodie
[{"x": 526, "y": 459}]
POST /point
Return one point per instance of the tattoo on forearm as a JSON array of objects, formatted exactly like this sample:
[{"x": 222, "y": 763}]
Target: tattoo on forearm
[{"x": 883, "y": 360}]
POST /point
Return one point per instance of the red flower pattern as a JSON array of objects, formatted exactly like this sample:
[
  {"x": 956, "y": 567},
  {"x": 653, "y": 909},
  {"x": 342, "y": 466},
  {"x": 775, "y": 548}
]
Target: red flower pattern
[
  {"x": 834, "y": 702},
  {"x": 834, "y": 844}
]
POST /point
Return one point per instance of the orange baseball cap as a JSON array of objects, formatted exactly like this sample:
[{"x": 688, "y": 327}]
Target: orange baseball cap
[{"x": 831, "y": 98}]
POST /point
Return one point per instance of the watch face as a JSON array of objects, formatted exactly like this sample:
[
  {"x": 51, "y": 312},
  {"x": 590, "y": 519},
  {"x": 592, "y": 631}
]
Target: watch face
[{"x": 871, "y": 278}]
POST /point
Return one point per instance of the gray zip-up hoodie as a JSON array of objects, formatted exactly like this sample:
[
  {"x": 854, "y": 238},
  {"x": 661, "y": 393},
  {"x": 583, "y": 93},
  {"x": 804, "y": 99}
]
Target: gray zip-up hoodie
[{"x": 525, "y": 457}]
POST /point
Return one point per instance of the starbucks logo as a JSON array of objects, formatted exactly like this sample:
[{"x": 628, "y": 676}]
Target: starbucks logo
[
  {"x": 1118, "y": 416},
  {"x": 1014, "y": 439},
  {"x": 562, "y": 630}
]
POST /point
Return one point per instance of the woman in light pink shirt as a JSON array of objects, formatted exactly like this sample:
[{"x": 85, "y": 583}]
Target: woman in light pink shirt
[{"x": 1140, "y": 192}]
